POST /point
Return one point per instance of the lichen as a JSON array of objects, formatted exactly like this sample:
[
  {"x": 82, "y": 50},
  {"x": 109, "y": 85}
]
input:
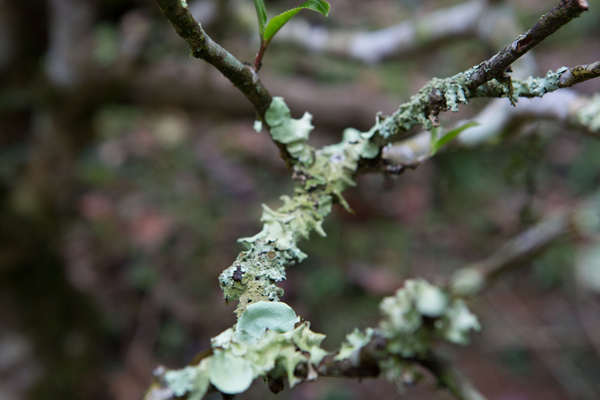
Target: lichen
[
  {"x": 192, "y": 381},
  {"x": 236, "y": 362},
  {"x": 289, "y": 131},
  {"x": 264, "y": 315},
  {"x": 589, "y": 114},
  {"x": 467, "y": 282},
  {"x": 405, "y": 313},
  {"x": 322, "y": 176},
  {"x": 355, "y": 341},
  {"x": 444, "y": 94}
]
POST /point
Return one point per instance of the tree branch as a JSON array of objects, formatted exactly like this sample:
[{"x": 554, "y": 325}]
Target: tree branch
[
  {"x": 579, "y": 221},
  {"x": 449, "y": 377},
  {"x": 243, "y": 76},
  {"x": 446, "y": 94},
  {"x": 496, "y": 66},
  {"x": 565, "y": 106},
  {"x": 578, "y": 74}
]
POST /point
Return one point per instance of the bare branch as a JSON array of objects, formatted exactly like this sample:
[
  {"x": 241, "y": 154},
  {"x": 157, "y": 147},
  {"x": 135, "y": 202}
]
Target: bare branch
[
  {"x": 450, "y": 378},
  {"x": 244, "y": 77},
  {"x": 580, "y": 221}
]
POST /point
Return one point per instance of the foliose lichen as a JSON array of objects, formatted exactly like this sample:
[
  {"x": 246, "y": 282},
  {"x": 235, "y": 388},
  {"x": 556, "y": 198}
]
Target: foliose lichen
[
  {"x": 589, "y": 114},
  {"x": 289, "y": 131},
  {"x": 322, "y": 176},
  {"x": 236, "y": 362},
  {"x": 405, "y": 314},
  {"x": 444, "y": 94}
]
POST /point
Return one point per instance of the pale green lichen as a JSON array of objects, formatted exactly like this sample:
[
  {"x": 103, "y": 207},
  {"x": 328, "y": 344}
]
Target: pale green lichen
[
  {"x": 322, "y": 176},
  {"x": 404, "y": 315},
  {"x": 192, "y": 381},
  {"x": 263, "y": 315},
  {"x": 446, "y": 93},
  {"x": 230, "y": 373},
  {"x": 289, "y": 131},
  {"x": 258, "y": 126},
  {"x": 467, "y": 282},
  {"x": 235, "y": 362},
  {"x": 354, "y": 342},
  {"x": 589, "y": 114},
  {"x": 399, "y": 372}
]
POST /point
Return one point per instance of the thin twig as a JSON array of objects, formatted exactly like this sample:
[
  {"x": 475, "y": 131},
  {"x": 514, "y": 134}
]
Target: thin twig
[
  {"x": 449, "y": 378},
  {"x": 579, "y": 221},
  {"x": 243, "y": 76},
  {"x": 202, "y": 46},
  {"x": 443, "y": 94},
  {"x": 560, "y": 15}
]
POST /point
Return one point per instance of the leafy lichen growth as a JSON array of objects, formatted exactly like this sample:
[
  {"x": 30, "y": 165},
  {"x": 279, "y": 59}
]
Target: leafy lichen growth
[
  {"x": 436, "y": 95},
  {"x": 405, "y": 314},
  {"x": 289, "y": 131},
  {"x": 192, "y": 380},
  {"x": 589, "y": 114},
  {"x": 355, "y": 341},
  {"x": 322, "y": 177},
  {"x": 236, "y": 361}
]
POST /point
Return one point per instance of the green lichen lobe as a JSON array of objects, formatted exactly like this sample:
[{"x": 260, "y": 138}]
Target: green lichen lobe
[
  {"x": 237, "y": 361},
  {"x": 292, "y": 132}
]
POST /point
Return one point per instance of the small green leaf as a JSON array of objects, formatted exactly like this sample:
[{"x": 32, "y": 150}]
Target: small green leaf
[
  {"x": 449, "y": 136},
  {"x": 277, "y": 22},
  {"x": 435, "y": 133},
  {"x": 261, "y": 12}
]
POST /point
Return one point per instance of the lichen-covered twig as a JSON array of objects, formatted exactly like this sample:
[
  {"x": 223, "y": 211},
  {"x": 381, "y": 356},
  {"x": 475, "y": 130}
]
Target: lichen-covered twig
[
  {"x": 270, "y": 342},
  {"x": 578, "y": 74},
  {"x": 446, "y": 94},
  {"x": 582, "y": 221},
  {"x": 536, "y": 87},
  {"x": 549, "y": 23},
  {"x": 322, "y": 176},
  {"x": 566, "y": 106},
  {"x": 417, "y": 315}
]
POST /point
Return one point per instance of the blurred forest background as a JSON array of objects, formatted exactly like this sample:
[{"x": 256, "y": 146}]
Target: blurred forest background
[{"x": 128, "y": 170}]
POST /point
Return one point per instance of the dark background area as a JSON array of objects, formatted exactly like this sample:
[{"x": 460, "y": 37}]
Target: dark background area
[{"x": 128, "y": 170}]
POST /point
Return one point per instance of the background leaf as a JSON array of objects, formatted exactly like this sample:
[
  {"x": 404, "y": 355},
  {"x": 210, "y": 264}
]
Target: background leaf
[
  {"x": 450, "y": 135},
  {"x": 261, "y": 12},
  {"x": 280, "y": 20}
]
